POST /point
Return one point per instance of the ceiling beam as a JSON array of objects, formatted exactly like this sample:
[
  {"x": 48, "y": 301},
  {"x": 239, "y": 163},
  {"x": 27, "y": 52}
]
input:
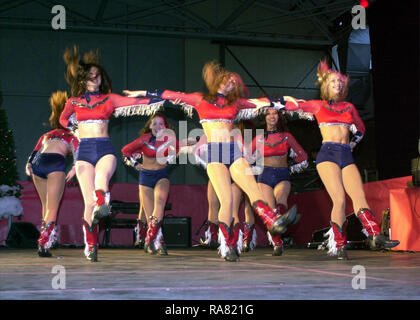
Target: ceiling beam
[
  {"x": 235, "y": 14},
  {"x": 207, "y": 25},
  {"x": 315, "y": 21},
  {"x": 71, "y": 12},
  {"x": 12, "y": 5},
  {"x": 101, "y": 10},
  {"x": 266, "y": 41}
]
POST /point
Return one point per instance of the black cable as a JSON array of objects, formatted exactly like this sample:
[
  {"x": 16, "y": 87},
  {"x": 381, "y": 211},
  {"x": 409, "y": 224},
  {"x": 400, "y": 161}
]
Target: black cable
[{"x": 201, "y": 227}]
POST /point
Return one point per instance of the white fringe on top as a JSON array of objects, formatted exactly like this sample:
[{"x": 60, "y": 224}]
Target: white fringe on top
[
  {"x": 86, "y": 251},
  {"x": 139, "y": 109},
  {"x": 331, "y": 243},
  {"x": 223, "y": 247},
  {"x": 299, "y": 167},
  {"x": 157, "y": 242},
  {"x": 207, "y": 236},
  {"x": 188, "y": 109},
  {"x": 253, "y": 243},
  {"x": 240, "y": 242},
  {"x": 250, "y": 113},
  {"x": 51, "y": 239},
  {"x": 365, "y": 233},
  {"x": 302, "y": 115}
]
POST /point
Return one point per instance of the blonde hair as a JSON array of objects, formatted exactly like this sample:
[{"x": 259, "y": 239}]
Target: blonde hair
[{"x": 324, "y": 73}]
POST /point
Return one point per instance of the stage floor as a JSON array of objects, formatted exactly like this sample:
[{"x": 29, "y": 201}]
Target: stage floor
[{"x": 199, "y": 274}]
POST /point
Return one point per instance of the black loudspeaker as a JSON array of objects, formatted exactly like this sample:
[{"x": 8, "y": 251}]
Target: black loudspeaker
[
  {"x": 22, "y": 235},
  {"x": 177, "y": 232}
]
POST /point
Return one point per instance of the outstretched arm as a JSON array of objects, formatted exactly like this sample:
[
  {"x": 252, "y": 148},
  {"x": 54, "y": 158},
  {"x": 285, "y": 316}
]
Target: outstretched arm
[
  {"x": 251, "y": 108},
  {"x": 129, "y": 106},
  {"x": 299, "y": 155},
  {"x": 187, "y": 100}
]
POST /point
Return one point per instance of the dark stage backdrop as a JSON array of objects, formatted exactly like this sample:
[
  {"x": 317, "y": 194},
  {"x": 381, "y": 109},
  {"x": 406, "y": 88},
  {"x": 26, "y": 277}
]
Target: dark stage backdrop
[{"x": 394, "y": 33}]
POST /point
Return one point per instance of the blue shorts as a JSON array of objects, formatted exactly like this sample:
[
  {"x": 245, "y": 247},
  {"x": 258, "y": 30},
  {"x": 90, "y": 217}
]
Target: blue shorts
[
  {"x": 93, "y": 149},
  {"x": 338, "y": 153},
  {"x": 223, "y": 152},
  {"x": 45, "y": 163},
  {"x": 149, "y": 178},
  {"x": 273, "y": 175}
]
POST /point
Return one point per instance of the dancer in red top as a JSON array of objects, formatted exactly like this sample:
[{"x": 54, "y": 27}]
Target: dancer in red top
[
  {"x": 335, "y": 164},
  {"x": 157, "y": 146},
  {"x": 217, "y": 110},
  {"x": 47, "y": 167},
  {"x": 90, "y": 108},
  {"x": 210, "y": 239},
  {"x": 274, "y": 181}
]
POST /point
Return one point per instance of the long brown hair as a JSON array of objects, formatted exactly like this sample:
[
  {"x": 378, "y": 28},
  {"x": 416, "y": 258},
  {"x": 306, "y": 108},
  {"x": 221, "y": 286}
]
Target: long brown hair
[
  {"x": 214, "y": 75},
  {"x": 57, "y": 102},
  {"x": 281, "y": 125},
  {"x": 78, "y": 70},
  {"x": 146, "y": 128}
]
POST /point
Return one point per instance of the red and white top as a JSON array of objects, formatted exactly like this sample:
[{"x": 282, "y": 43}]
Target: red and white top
[
  {"x": 152, "y": 147},
  {"x": 217, "y": 111},
  {"x": 62, "y": 135},
  {"x": 339, "y": 113},
  {"x": 102, "y": 106},
  {"x": 278, "y": 144}
]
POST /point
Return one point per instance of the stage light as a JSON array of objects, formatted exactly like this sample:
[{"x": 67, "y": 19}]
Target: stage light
[{"x": 364, "y": 3}]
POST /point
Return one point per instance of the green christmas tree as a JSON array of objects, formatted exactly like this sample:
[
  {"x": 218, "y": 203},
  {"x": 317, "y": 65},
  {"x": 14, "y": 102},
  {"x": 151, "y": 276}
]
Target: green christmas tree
[{"x": 10, "y": 189}]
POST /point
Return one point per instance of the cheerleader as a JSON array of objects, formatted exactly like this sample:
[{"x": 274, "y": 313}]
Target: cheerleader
[
  {"x": 274, "y": 181},
  {"x": 337, "y": 120},
  {"x": 46, "y": 165},
  {"x": 156, "y": 145},
  {"x": 90, "y": 108},
  {"x": 217, "y": 111}
]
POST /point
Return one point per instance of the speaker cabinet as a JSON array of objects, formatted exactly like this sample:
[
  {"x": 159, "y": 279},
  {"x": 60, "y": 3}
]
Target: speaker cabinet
[
  {"x": 22, "y": 235},
  {"x": 177, "y": 232}
]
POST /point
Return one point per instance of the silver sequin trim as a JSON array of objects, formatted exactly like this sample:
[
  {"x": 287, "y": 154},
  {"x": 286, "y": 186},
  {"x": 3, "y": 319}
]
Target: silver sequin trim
[
  {"x": 94, "y": 121},
  {"x": 216, "y": 120},
  {"x": 352, "y": 127},
  {"x": 55, "y": 139}
]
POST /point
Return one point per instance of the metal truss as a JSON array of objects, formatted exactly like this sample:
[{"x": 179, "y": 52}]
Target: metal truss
[{"x": 293, "y": 23}]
